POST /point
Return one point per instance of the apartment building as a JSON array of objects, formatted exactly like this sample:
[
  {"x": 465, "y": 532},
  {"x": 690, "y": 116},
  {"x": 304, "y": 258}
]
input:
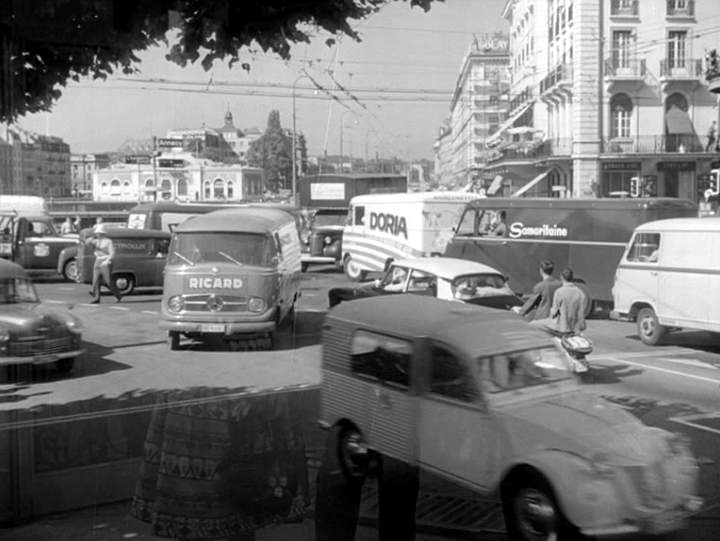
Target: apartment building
[
  {"x": 479, "y": 105},
  {"x": 82, "y": 169},
  {"x": 604, "y": 91}
]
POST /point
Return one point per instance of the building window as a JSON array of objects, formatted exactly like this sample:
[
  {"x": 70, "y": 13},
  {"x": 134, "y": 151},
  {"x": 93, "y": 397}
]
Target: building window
[
  {"x": 617, "y": 183},
  {"x": 219, "y": 189},
  {"x": 207, "y": 189},
  {"x": 381, "y": 357},
  {"x": 621, "y": 47},
  {"x": 182, "y": 187},
  {"x": 114, "y": 187},
  {"x": 166, "y": 189},
  {"x": 676, "y": 100},
  {"x": 126, "y": 188},
  {"x": 621, "y": 112},
  {"x": 230, "y": 189},
  {"x": 104, "y": 188},
  {"x": 676, "y": 49}
]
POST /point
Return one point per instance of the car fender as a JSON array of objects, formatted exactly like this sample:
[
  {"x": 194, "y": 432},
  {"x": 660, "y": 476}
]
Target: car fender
[
  {"x": 587, "y": 499},
  {"x": 65, "y": 255}
]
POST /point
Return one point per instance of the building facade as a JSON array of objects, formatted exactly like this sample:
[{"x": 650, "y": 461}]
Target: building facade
[
  {"x": 45, "y": 166},
  {"x": 479, "y": 105},
  {"x": 176, "y": 176},
  {"x": 608, "y": 98},
  {"x": 82, "y": 169}
]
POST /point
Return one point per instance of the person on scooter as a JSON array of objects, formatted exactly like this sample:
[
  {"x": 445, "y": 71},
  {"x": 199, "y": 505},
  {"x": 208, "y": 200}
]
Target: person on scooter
[
  {"x": 567, "y": 314},
  {"x": 542, "y": 295}
]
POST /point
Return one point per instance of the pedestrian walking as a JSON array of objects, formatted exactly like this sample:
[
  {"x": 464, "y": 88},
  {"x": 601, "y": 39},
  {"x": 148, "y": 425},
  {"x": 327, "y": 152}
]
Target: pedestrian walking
[
  {"x": 102, "y": 268},
  {"x": 712, "y": 131},
  {"x": 567, "y": 314}
]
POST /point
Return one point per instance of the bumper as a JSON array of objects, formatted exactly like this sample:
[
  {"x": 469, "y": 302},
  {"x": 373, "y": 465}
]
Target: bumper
[
  {"x": 619, "y": 316},
  {"x": 39, "y": 359},
  {"x": 657, "y": 523},
  {"x": 196, "y": 327},
  {"x": 319, "y": 259}
]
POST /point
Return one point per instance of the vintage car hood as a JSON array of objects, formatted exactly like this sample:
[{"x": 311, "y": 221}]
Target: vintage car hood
[
  {"x": 27, "y": 318},
  {"x": 580, "y": 424}
]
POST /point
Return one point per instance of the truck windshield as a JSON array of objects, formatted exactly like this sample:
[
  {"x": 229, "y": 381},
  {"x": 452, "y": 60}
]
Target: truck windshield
[
  {"x": 324, "y": 219},
  {"x": 16, "y": 290},
  {"x": 238, "y": 248},
  {"x": 522, "y": 369}
]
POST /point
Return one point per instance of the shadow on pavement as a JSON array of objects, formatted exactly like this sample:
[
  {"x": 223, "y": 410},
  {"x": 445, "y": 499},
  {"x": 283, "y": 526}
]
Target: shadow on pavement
[
  {"x": 91, "y": 363},
  {"x": 699, "y": 340}
]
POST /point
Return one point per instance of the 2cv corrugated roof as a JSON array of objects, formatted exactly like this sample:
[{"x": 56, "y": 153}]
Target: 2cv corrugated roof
[
  {"x": 243, "y": 220},
  {"x": 475, "y": 330}
]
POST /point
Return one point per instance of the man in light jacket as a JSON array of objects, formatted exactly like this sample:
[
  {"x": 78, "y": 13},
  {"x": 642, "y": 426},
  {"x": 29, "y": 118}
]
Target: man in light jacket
[
  {"x": 567, "y": 314},
  {"x": 102, "y": 268}
]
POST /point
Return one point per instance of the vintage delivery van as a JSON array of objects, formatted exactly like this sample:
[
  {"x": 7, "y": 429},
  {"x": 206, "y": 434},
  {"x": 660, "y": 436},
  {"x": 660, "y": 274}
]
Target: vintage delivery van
[
  {"x": 481, "y": 398},
  {"x": 587, "y": 235},
  {"x": 384, "y": 227},
  {"x": 668, "y": 278},
  {"x": 233, "y": 274}
]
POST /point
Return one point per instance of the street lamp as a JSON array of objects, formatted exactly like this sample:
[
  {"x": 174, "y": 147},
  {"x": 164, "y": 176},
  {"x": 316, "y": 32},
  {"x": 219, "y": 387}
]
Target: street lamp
[{"x": 294, "y": 141}]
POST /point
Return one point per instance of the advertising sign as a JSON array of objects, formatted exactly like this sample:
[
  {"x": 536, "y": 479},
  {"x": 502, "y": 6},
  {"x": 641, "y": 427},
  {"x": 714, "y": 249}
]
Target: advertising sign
[
  {"x": 169, "y": 143},
  {"x": 327, "y": 191}
]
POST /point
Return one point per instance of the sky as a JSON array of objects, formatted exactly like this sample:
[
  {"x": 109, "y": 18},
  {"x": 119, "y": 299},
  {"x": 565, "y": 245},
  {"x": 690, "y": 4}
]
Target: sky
[{"x": 402, "y": 75}]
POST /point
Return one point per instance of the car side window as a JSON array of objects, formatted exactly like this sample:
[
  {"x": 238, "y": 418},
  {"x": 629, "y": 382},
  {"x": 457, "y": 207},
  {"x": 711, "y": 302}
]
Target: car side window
[
  {"x": 422, "y": 283},
  {"x": 359, "y": 215},
  {"x": 449, "y": 377},
  {"x": 645, "y": 248},
  {"x": 381, "y": 357}
]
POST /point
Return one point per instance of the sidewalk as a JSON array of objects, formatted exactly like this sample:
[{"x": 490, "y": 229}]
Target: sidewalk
[{"x": 112, "y": 522}]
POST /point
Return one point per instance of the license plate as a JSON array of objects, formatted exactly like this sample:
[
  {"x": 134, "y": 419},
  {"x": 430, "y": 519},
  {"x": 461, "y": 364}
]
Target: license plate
[{"x": 212, "y": 327}]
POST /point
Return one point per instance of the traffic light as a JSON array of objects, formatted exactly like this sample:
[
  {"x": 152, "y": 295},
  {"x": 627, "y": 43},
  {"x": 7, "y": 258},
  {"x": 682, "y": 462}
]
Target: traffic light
[
  {"x": 713, "y": 184},
  {"x": 635, "y": 187}
]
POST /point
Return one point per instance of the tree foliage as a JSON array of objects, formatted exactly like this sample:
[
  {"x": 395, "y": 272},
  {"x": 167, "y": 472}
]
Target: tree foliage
[
  {"x": 46, "y": 43},
  {"x": 273, "y": 152}
]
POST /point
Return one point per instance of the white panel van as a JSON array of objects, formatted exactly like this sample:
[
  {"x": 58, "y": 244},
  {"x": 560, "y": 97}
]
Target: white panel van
[{"x": 669, "y": 277}]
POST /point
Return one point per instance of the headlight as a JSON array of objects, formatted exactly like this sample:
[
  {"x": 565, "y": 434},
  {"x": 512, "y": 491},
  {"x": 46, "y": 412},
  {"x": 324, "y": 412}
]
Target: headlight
[
  {"x": 4, "y": 335},
  {"x": 256, "y": 304},
  {"x": 327, "y": 240},
  {"x": 74, "y": 325},
  {"x": 601, "y": 465},
  {"x": 176, "y": 304}
]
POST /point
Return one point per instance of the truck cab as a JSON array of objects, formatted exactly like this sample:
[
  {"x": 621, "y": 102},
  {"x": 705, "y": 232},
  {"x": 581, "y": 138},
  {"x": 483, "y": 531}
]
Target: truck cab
[{"x": 32, "y": 241}]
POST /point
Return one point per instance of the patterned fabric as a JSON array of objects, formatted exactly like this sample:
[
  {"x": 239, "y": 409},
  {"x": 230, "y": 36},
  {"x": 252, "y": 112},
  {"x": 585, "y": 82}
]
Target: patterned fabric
[{"x": 218, "y": 468}]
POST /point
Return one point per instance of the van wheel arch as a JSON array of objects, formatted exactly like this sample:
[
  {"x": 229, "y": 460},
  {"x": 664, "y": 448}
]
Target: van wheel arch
[{"x": 124, "y": 282}]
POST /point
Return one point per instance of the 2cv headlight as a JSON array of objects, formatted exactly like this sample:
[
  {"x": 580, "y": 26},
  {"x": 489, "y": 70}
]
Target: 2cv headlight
[
  {"x": 176, "y": 304},
  {"x": 74, "y": 325}
]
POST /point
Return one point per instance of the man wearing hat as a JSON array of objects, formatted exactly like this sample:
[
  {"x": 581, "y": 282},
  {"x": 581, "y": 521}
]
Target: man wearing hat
[{"x": 104, "y": 253}]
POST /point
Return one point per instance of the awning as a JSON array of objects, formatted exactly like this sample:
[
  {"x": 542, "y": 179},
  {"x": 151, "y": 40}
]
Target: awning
[
  {"x": 532, "y": 183},
  {"x": 678, "y": 121},
  {"x": 495, "y": 137},
  {"x": 495, "y": 185}
]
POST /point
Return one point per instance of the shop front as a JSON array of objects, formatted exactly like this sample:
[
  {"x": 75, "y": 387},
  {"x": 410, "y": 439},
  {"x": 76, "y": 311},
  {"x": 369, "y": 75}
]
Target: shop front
[{"x": 677, "y": 179}]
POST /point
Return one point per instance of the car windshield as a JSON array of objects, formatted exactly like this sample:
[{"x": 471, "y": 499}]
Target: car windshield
[
  {"x": 323, "y": 219},
  {"x": 237, "y": 248},
  {"x": 480, "y": 285},
  {"x": 522, "y": 369},
  {"x": 17, "y": 290}
]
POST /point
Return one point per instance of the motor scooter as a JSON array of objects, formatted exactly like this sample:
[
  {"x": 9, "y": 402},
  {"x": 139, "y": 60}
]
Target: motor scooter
[{"x": 577, "y": 348}]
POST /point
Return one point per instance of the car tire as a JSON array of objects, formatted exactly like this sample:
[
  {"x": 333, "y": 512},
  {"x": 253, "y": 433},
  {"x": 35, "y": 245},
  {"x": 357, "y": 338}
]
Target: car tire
[
  {"x": 648, "y": 327},
  {"x": 64, "y": 366},
  {"x": 125, "y": 283},
  {"x": 532, "y": 513},
  {"x": 174, "y": 340},
  {"x": 70, "y": 270},
  {"x": 352, "y": 271}
]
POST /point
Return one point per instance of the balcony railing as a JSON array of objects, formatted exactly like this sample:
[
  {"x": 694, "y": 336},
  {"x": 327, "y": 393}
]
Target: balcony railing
[
  {"x": 624, "y": 8},
  {"x": 561, "y": 72},
  {"x": 625, "y": 68},
  {"x": 648, "y": 144},
  {"x": 686, "y": 69},
  {"x": 520, "y": 99},
  {"x": 680, "y": 8},
  {"x": 533, "y": 150}
]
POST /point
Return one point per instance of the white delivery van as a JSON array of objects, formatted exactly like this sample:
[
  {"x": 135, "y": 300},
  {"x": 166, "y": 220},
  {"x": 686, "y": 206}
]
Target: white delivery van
[
  {"x": 385, "y": 227},
  {"x": 668, "y": 277}
]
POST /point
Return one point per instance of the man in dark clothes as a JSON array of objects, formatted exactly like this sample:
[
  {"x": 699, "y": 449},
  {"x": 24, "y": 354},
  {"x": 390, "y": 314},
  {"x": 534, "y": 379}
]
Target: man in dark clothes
[{"x": 542, "y": 293}]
